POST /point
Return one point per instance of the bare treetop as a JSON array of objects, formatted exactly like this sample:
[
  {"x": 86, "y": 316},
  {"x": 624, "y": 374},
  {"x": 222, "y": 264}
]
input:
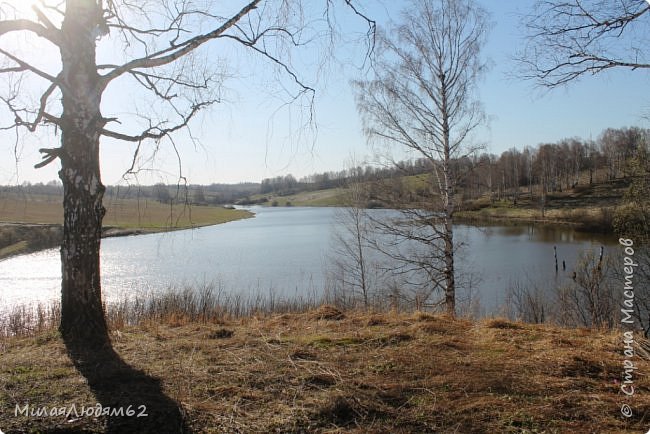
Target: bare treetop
[
  {"x": 156, "y": 46},
  {"x": 572, "y": 38},
  {"x": 422, "y": 93}
]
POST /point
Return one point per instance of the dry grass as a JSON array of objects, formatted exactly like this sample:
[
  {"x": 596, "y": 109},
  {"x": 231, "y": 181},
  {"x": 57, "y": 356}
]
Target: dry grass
[
  {"x": 177, "y": 305},
  {"x": 14, "y": 249},
  {"x": 123, "y": 213},
  {"x": 31, "y": 209},
  {"x": 361, "y": 372},
  {"x": 152, "y": 214}
]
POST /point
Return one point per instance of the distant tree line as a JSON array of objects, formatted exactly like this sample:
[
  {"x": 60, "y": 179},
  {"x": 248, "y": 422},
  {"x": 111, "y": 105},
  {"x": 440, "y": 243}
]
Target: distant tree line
[
  {"x": 192, "y": 194},
  {"x": 546, "y": 168},
  {"x": 213, "y": 194},
  {"x": 536, "y": 171},
  {"x": 51, "y": 188},
  {"x": 554, "y": 167}
]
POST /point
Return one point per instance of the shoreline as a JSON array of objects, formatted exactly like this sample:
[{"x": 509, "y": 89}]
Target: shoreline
[
  {"x": 43, "y": 236},
  {"x": 510, "y": 221},
  {"x": 584, "y": 223}
]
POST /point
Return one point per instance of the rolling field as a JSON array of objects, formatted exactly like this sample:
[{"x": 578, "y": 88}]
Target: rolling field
[
  {"x": 144, "y": 214},
  {"x": 328, "y": 197},
  {"x": 33, "y": 222}
]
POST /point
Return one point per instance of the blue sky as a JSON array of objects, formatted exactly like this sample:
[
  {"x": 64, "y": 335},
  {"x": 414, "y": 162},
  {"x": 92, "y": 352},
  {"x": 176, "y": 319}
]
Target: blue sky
[{"x": 251, "y": 137}]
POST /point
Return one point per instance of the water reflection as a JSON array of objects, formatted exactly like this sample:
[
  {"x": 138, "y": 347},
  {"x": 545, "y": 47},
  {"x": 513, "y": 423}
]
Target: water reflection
[{"x": 284, "y": 250}]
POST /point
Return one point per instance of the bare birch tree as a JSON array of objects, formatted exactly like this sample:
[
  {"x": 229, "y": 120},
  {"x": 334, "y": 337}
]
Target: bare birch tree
[
  {"x": 154, "y": 46},
  {"x": 421, "y": 99},
  {"x": 351, "y": 261}
]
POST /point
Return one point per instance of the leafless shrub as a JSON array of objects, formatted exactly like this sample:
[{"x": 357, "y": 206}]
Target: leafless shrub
[
  {"x": 529, "y": 302},
  {"x": 588, "y": 301}
]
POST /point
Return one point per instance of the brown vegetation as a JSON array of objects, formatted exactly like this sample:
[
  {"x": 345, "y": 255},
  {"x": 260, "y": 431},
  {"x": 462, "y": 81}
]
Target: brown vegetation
[
  {"x": 325, "y": 371},
  {"x": 588, "y": 208}
]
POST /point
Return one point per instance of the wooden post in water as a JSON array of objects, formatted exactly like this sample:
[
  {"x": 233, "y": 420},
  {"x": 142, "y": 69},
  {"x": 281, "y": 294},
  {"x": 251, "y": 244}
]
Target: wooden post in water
[
  {"x": 600, "y": 258},
  {"x": 555, "y": 255}
]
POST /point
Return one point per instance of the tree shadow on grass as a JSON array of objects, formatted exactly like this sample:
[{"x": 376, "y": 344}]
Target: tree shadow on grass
[{"x": 116, "y": 385}]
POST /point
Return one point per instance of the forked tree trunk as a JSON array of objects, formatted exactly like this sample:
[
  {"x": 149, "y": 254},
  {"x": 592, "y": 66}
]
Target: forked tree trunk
[{"x": 82, "y": 313}]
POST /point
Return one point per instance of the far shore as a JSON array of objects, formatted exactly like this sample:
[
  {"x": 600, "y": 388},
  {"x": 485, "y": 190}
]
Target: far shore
[
  {"x": 29, "y": 237},
  {"x": 23, "y": 237}
]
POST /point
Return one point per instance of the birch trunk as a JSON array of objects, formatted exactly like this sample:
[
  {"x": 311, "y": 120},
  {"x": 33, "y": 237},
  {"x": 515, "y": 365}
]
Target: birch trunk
[
  {"x": 82, "y": 313},
  {"x": 448, "y": 202}
]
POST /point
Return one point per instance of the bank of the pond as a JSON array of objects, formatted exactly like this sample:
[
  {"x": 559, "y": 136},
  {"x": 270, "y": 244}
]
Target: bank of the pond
[
  {"x": 586, "y": 221},
  {"x": 325, "y": 370},
  {"x": 587, "y": 208},
  {"x": 18, "y": 238}
]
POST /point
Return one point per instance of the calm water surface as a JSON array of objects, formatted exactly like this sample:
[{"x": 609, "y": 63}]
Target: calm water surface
[{"x": 285, "y": 250}]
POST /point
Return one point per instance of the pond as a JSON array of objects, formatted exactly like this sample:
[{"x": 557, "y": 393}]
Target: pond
[{"x": 287, "y": 252}]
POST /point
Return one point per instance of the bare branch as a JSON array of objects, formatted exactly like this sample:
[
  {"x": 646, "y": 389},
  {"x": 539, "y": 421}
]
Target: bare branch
[
  {"x": 49, "y": 155},
  {"x": 9, "y": 26},
  {"x": 175, "y": 52},
  {"x": 572, "y": 38},
  {"x": 24, "y": 66},
  {"x": 44, "y": 19},
  {"x": 41, "y": 111},
  {"x": 22, "y": 114},
  {"x": 157, "y": 132},
  {"x": 274, "y": 59}
]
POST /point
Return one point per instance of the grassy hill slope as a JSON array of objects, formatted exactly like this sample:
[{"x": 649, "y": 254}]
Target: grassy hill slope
[{"x": 589, "y": 207}]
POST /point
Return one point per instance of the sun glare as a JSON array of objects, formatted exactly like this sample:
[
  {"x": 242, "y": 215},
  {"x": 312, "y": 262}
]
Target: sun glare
[{"x": 18, "y": 9}]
